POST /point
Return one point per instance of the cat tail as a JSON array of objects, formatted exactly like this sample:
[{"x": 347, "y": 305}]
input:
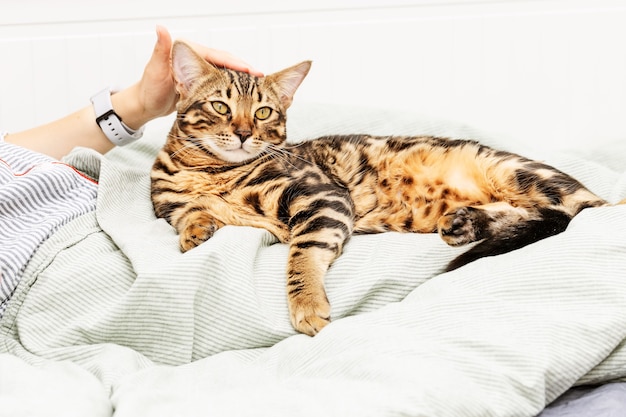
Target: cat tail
[{"x": 550, "y": 223}]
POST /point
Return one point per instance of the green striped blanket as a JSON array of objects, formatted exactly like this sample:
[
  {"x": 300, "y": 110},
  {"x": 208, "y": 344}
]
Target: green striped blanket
[{"x": 111, "y": 318}]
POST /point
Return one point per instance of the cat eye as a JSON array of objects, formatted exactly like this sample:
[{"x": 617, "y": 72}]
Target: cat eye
[
  {"x": 220, "y": 107},
  {"x": 263, "y": 113}
]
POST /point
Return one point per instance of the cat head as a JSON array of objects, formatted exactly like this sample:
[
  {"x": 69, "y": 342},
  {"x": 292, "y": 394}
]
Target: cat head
[{"x": 234, "y": 115}]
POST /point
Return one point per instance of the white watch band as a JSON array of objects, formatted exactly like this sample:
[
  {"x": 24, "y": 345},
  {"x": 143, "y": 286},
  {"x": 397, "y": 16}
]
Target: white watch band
[{"x": 110, "y": 122}]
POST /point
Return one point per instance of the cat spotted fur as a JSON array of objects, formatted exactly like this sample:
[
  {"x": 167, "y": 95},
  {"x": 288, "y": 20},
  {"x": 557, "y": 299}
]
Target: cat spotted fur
[{"x": 226, "y": 162}]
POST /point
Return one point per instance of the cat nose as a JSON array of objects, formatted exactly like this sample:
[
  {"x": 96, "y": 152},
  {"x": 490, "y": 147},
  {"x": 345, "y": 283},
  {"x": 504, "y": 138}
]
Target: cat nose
[{"x": 243, "y": 134}]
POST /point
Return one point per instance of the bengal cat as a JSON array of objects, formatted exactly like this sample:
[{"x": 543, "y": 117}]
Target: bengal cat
[{"x": 226, "y": 162}]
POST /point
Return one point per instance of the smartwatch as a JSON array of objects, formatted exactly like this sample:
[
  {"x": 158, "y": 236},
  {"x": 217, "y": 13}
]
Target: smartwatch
[{"x": 110, "y": 122}]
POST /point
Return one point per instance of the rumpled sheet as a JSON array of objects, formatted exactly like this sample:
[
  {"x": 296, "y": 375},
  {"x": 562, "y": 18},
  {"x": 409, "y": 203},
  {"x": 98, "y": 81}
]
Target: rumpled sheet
[{"x": 111, "y": 318}]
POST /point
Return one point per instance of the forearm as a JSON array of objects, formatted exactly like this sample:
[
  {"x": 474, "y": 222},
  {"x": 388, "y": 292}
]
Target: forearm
[{"x": 59, "y": 137}]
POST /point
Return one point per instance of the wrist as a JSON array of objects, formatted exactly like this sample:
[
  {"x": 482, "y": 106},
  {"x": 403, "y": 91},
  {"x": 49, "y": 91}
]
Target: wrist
[
  {"x": 110, "y": 115},
  {"x": 127, "y": 105}
]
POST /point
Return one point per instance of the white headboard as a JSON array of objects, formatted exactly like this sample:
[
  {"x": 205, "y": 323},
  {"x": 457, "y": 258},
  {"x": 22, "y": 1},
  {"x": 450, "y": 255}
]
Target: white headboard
[{"x": 550, "y": 72}]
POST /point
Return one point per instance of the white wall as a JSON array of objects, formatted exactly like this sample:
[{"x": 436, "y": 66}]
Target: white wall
[{"x": 548, "y": 71}]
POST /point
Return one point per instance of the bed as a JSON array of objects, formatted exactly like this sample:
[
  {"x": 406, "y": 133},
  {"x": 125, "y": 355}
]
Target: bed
[{"x": 111, "y": 319}]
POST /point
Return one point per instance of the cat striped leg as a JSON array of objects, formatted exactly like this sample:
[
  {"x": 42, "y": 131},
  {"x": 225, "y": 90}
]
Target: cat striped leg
[
  {"x": 319, "y": 230},
  {"x": 500, "y": 227},
  {"x": 469, "y": 224},
  {"x": 309, "y": 307}
]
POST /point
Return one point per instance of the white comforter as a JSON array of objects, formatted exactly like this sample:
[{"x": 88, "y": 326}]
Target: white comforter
[{"x": 111, "y": 319}]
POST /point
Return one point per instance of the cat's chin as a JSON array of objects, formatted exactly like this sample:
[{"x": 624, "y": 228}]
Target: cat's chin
[{"x": 237, "y": 156}]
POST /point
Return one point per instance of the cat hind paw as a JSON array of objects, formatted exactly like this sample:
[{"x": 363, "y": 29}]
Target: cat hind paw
[{"x": 463, "y": 226}]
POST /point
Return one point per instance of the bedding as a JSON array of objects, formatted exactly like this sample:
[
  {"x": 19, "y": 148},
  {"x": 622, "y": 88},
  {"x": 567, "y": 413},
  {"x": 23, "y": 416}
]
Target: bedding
[{"x": 111, "y": 319}]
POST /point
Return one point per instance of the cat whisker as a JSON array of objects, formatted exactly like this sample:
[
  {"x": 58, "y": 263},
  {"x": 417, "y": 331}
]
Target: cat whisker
[
  {"x": 192, "y": 143},
  {"x": 182, "y": 150},
  {"x": 282, "y": 156},
  {"x": 286, "y": 153},
  {"x": 271, "y": 154}
]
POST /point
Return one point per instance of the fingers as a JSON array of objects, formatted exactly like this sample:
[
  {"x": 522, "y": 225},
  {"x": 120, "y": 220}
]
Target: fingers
[
  {"x": 163, "y": 45},
  {"x": 223, "y": 59},
  {"x": 164, "y": 40},
  {"x": 217, "y": 57}
]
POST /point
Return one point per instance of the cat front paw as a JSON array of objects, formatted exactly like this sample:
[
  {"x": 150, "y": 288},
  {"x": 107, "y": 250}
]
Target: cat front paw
[
  {"x": 311, "y": 315},
  {"x": 200, "y": 227},
  {"x": 463, "y": 226}
]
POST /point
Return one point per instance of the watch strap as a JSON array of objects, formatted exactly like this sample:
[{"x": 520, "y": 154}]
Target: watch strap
[{"x": 110, "y": 122}]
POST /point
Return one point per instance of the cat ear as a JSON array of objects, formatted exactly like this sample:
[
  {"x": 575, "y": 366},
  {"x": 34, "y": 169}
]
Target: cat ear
[
  {"x": 187, "y": 67},
  {"x": 288, "y": 80}
]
